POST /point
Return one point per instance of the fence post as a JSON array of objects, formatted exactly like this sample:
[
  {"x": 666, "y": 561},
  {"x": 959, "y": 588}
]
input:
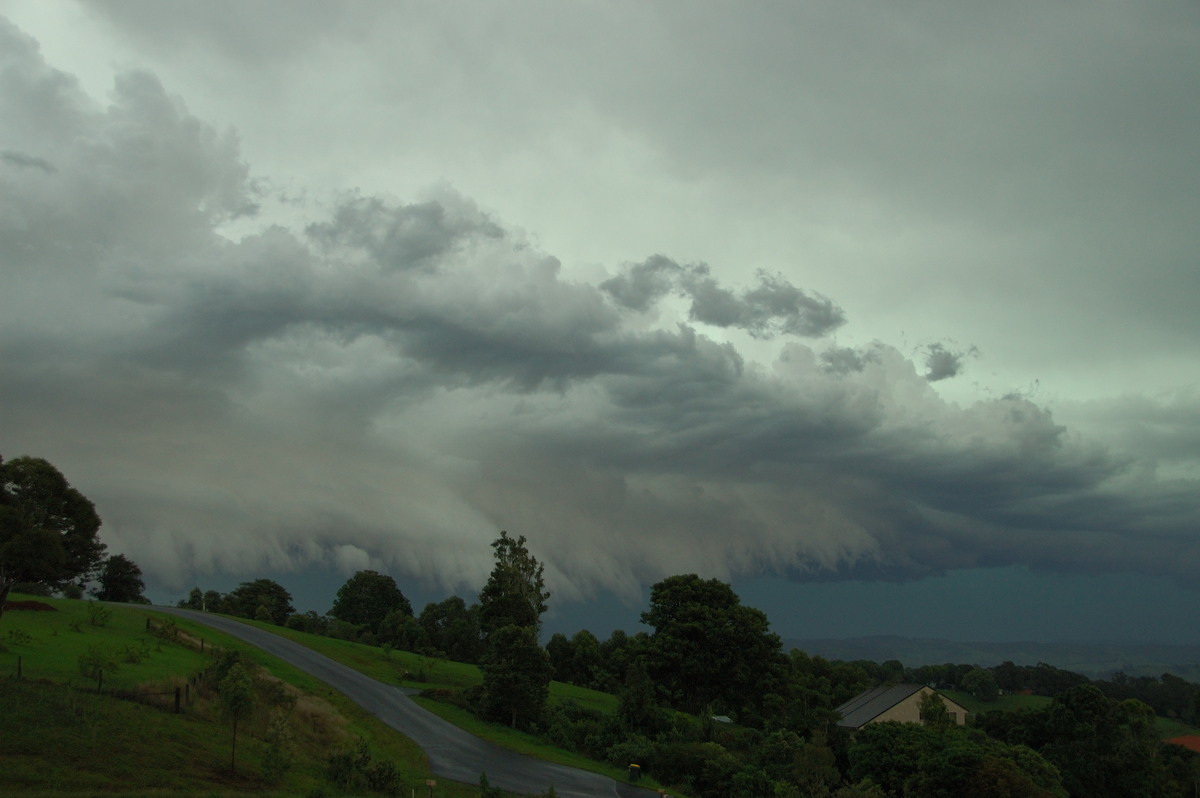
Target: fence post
[{"x": 177, "y": 692}]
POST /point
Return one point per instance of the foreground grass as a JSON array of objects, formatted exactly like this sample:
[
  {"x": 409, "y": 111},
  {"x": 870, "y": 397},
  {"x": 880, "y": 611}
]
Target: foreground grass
[
  {"x": 61, "y": 737},
  {"x": 1005, "y": 703},
  {"x": 1171, "y": 727},
  {"x": 414, "y": 670}
]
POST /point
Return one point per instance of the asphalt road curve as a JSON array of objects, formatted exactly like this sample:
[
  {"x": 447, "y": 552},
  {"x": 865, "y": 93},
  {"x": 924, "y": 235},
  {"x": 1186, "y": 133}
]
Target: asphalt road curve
[{"x": 453, "y": 753}]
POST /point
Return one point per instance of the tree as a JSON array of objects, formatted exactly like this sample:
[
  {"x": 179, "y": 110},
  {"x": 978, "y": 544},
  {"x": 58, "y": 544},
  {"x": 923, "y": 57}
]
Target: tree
[
  {"x": 249, "y": 596},
  {"x": 194, "y": 601},
  {"x": 366, "y": 599},
  {"x": 212, "y": 601},
  {"x": 515, "y": 593},
  {"x": 516, "y": 669},
  {"x": 707, "y": 648},
  {"x": 97, "y": 661},
  {"x": 452, "y": 628},
  {"x": 637, "y": 704},
  {"x": 934, "y": 713},
  {"x": 121, "y": 580},
  {"x": 400, "y": 629},
  {"x": 237, "y": 700},
  {"x": 981, "y": 684},
  {"x": 49, "y": 531},
  {"x": 516, "y": 677}
]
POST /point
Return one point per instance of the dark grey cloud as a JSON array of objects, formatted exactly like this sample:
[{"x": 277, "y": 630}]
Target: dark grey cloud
[
  {"x": 773, "y": 307},
  {"x": 845, "y": 359},
  {"x": 942, "y": 363},
  {"x": 398, "y": 237},
  {"x": 395, "y": 380},
  {"x": 20, "y": 159}
]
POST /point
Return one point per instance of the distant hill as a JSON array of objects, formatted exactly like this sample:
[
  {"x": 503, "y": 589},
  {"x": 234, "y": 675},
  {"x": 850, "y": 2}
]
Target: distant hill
[{"x": 1094, "y": 660}]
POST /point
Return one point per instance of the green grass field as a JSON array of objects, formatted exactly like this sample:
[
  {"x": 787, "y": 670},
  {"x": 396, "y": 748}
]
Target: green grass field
[
  {"x": 1005, "y": 703},
  {"x": 62, "y": 738},
  {"x": 415, "y": 670}
]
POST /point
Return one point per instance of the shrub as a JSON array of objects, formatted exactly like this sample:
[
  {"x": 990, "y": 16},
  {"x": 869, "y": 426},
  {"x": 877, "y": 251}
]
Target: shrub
[
  {"x": 98, "y": 614},
  {"x": 95, "y": 662}
]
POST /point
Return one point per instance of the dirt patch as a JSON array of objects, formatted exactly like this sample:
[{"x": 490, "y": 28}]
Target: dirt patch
[
  {"x": 1191, "y": 741},
  {"x": 35, "y": 606}
]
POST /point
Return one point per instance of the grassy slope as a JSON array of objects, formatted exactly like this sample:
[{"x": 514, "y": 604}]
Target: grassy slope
[
  {"x": 62, "y": 741},
  {"x": 414, "y": 670},
  {"x": 1005, "y": 703}
]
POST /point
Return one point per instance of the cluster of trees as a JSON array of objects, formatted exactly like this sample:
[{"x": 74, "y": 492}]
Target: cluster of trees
[
  {"x": 50, "y": 538},
  {"x": 709, "y": 701},
  {"x": 260, "y": 599},
  {"x": 369, "y": 608}
]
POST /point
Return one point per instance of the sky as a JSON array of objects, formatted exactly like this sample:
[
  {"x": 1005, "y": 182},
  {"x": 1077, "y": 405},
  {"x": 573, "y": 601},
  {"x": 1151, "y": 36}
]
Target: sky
[{"x": 883, "y": 312}]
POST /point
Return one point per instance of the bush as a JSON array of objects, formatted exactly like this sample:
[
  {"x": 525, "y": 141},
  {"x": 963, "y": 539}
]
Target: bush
[
  {"x": 96, "y": 662},
  {"x": 98, "y": 614},
  {"x": 353, "y": 770},
  {"x": 166, "y": 629}
]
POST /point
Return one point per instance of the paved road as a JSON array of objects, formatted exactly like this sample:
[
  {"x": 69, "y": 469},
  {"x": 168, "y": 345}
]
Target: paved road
[{"x": 453, "y": 753}]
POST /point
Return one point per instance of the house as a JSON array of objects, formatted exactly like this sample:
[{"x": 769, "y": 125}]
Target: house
[{"x": 900, "y": 702}]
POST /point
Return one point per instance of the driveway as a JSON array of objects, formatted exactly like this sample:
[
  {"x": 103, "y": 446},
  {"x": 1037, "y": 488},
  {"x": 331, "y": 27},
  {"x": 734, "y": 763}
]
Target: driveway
[{"x": 453, "y": 753}]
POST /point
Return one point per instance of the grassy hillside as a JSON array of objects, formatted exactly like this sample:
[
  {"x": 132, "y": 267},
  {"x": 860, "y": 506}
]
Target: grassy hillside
[
  {"x": 414, "y": 670},
  {"x": 61, "y": 737},
  {"x": 1005, "y": 703}
]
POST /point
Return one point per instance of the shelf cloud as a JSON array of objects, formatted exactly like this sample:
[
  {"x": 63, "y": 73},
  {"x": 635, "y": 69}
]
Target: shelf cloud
[{"x": 398, "y": 378}]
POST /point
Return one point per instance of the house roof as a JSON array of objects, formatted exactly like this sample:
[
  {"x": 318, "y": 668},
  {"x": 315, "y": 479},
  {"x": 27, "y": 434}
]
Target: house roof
[{"x": 863, "y": 708}]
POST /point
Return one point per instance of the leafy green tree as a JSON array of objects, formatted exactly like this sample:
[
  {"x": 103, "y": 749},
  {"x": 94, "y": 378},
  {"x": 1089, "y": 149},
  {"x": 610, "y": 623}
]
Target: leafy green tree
[
  {"x": 934, "y": 713},
  {"x": 49, "y": 531},
  {"x": 981, "y": 684},
  {"x": 97, "y": 661},
  {"x": 194, "y": 600},
  {"x": 401, "y": 630},
  {"x": 889, "y": 753},
  {"x": 515, "y": 593},
  {"x": 912, "y": 760},
  {"x": 245, "y": 600},
  {"x": 237, "y": 701},
  {"x": 814, "y": 767},
  {"x": 1102, "y": 747},
  {"x": 213, "y": 601},
  {"x": 366, "y": 599},
  {"x": 587, "y": 660},
  {"x": 452, "y": 628},
  {"x": 121, "y": 580},
  {"x": 707, "y": 648},
  {"x": 516, "y": 677},
  {"x": 561, "y": 653},
  {"x": 637, "y": 704}
]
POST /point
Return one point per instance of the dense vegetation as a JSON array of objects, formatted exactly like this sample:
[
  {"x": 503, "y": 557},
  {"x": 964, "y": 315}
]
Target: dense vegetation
[{"x": 707, "y": 701}]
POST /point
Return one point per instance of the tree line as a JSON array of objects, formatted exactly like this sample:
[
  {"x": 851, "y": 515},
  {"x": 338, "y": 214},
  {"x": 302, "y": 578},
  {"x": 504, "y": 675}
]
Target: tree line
[
  {"x": 50, "y": 539},
  {"x": 707, "y": 699}
]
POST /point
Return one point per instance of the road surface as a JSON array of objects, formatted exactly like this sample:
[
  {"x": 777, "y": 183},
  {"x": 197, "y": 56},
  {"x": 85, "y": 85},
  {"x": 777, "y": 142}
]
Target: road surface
[{"x": 453, "y": 753}]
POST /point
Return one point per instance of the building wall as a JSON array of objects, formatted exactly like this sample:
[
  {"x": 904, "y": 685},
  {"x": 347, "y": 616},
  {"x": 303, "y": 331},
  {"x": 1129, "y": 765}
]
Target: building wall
[{"x": 909, "y": 710}]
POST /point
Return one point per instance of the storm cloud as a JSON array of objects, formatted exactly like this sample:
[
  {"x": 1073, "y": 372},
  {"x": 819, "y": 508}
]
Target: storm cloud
[{"x": 395, "y": 379}]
